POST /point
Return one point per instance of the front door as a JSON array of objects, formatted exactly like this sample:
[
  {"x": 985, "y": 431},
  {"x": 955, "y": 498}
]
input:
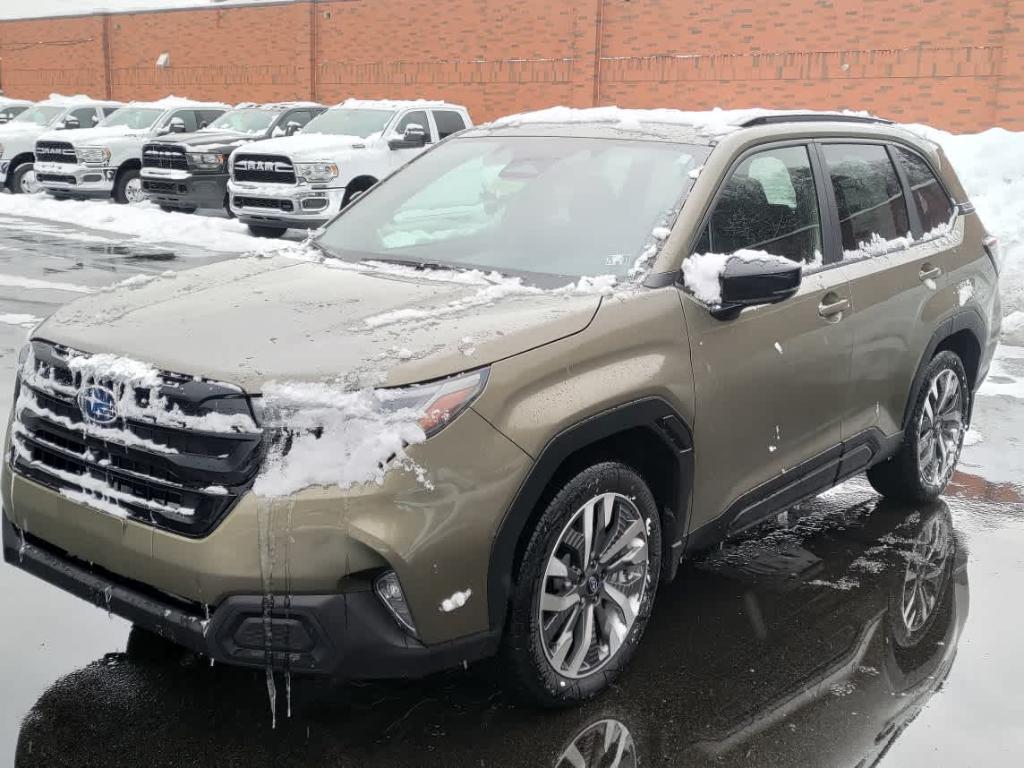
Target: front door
[{"x": 769, "y": 383}]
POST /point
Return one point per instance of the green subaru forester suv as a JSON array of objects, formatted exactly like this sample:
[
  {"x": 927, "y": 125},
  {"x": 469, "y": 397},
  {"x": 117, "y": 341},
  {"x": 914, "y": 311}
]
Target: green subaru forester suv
[{"x": 491, "y": 406}]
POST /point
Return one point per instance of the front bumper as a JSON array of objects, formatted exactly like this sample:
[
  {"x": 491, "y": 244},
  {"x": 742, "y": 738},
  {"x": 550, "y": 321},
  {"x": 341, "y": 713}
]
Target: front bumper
[
  {"x": 347, "y": 634},
  {"x": 76, "y": 180},
  {"x": 299, "y": 206},
  {"x": 183, "y": 190}
]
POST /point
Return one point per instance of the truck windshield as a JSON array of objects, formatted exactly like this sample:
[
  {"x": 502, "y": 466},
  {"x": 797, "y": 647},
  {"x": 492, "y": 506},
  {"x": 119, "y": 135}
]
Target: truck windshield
[
  {"x": 533, "y": 205},
  {"x": 350, "y": 122},
  {"x": 138, "y": 118},
  {"x": 248, "y": 120},
  {"x": 40, "y": 115}
]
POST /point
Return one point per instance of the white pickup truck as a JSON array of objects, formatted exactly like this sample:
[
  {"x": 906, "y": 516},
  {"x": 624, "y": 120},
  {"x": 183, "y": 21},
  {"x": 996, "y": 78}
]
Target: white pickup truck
[
  {"x": 11, "y": 108},
  {"x": 303, "y": 181},
  {"x": 106, "y": 161},
  {"x": 18, "y": 135}
]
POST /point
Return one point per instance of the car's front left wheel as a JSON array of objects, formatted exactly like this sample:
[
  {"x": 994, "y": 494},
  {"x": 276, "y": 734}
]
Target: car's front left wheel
[{"x": 585, "y": 586}]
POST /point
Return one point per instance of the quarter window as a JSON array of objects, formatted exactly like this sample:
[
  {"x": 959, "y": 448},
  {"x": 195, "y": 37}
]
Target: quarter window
[
  {"x": 769, "y": 204},
  {"x": 933, "y": 204},
  {"x": 868, "y": 194},
  {"x": 448, "y": 122}
]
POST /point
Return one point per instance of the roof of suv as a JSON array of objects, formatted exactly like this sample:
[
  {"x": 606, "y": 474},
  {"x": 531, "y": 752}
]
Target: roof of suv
[
  {"x": 393, "y": 104},
  {"x": 57, "y": 100},
  {"x": 278, "y": 106},
  {"x": 172, "y": 102}
]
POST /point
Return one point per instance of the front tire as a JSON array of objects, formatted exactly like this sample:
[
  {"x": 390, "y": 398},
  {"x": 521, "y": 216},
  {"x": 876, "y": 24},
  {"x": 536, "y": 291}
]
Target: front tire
[
  {"x": 585, "y": 587},
  {"x": 23, "y": 180},
  {"x": 128, "y": 188},
  {"x": 258, "y": 230},
  {"x": 919, "y": 470}
]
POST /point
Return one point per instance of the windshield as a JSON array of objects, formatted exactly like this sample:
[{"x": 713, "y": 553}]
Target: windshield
[
  {"x": 249, "y": 120},
  {"x": 350, "y": 122},
  {"x": 39, "y": 115},
  {"x": 540, "y": 206},
  {"x": 132, "y": 117}
]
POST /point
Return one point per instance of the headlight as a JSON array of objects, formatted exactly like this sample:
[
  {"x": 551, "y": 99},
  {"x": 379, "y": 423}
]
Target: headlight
[
  {"x": 207, "y": 161},
  {"x": 93, "y": 155},
  {"x": 439, "y": 402},
  {"x": 316, "y": 172}
]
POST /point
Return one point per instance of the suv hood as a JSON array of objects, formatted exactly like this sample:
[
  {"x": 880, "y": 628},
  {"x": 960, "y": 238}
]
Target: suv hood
[
  {"x": 252, "y": 320},
  {"x": 310, "y": 146},
  {"x": 210, "y": 141}
]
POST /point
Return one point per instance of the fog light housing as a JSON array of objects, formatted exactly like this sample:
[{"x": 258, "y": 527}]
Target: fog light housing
[
  {"x": 389, "y": 590},
  {"x": 314, "y": 204}
]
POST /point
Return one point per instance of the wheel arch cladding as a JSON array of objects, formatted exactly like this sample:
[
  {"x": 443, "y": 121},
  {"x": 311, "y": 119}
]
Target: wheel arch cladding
[{"x": 648, "y": 435}]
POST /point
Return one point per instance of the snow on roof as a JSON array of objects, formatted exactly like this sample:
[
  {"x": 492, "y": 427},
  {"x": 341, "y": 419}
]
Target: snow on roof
[
  {"x": 6, "y": 101},
  {"x": 43, "y": 8},
  {"x": 170, "y": 102},
  {"x": 392, "y": 104},
  {"x": 276, "y": 106},
  {"x": 60, "y": 100},
  {"x": 714, "y": 121}
]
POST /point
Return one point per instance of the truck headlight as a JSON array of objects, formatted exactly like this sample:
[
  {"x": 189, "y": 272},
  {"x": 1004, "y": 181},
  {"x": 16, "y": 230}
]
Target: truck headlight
[
  {"x": 206, "y": 161},
  {"x": 93, "y": 155},
  {"x": 316, "y": 172}
]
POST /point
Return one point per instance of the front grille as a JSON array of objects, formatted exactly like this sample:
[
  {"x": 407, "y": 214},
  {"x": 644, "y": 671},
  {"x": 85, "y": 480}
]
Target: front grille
[
  {"x": 56, "y": 177},
  {"x": 169, "y": 156},
  {"x": 55, "y": 152},
  {"x": 266, "y": 169},
  {"x": 159, "y": 466},
  {"x": 263, "y": 202},
  {"x": 166, "y": 187}
]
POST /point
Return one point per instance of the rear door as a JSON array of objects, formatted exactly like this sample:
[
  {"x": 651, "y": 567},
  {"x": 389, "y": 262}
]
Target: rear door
[
  {"x": 769, "y": 383},
  {"x": 900, "y": 269}
]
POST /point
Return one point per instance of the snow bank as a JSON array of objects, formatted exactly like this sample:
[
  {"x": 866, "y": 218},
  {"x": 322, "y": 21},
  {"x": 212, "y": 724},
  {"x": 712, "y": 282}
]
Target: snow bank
[
  {"x": 146, "y": 222},
  {"x": 990, "y": 165}
]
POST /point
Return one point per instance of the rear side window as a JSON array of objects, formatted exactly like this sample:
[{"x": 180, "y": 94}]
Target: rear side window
[
  {"x": 768, "y": 204},
  {"x": 108, "y": 111},
  {"x": 868, "y": 194},
  {"x": 933, "y": 204},
  {"x": 448, "y": 122}
]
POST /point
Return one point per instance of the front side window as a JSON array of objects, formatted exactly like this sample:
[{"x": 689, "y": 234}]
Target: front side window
[
  {"x": 187, "y": 116},
  {"x": 39, "y": 114},
  {"x": 135, "y": 118},
  {"x": 250, "y": 120},
  {"x": 869, "y": 197},
  {"x": 523, "y": 205},
  {"x": 361, "y": 123},
  {"x": 769, "y": 204},
  {"x": 86, "y": 117},
  {"x": 933, "y": 204},
  {"x": 419, "y": 118}
]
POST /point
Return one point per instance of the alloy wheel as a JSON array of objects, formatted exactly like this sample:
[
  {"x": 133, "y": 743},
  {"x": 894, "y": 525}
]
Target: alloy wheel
[
  {"x": 604, "y": 744},
  {"x": 924, "y": 577},
  {"x": 133, "y": 192},
  {"x": 29, "y": 183},
  {"x": 940, "y": 429},
  {"x": 593, "y": 585}
]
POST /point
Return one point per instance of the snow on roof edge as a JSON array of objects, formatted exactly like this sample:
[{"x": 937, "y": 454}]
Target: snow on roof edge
[{"x": 391, "y": 104}]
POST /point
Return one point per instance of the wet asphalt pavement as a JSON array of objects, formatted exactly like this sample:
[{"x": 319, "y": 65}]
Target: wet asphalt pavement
[{"x": 787, "y": 648}]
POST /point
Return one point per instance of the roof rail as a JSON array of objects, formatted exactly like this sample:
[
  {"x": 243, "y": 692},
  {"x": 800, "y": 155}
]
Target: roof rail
[{"x": 812, "y": 117}]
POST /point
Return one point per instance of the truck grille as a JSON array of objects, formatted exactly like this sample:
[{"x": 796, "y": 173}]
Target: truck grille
[
  {"x": 164, "y": 156},
  {"x": 55, "y": 152},
  {"x": 263, "y": 202},
  {"x": 157, "y": 470},
  {"x": 266, "y": 169},
  {"x": 56, "y": 178}
]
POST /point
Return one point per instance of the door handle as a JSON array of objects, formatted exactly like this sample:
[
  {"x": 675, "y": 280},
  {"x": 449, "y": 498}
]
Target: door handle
[
  {"x": 832, "y": 305},
  {"x": 929, "y": 272}
]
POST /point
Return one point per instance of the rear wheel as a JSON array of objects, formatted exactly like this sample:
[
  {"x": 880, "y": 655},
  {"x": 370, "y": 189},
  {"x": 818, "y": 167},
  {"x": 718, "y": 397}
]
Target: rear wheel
[
  {"x": 24, "y": 181},
  {"x": 585, "y": 587},
  {"x": 919, "y": 470},
  {"x": 263, "y": 231},
  {"x": 128, "y": 188}
]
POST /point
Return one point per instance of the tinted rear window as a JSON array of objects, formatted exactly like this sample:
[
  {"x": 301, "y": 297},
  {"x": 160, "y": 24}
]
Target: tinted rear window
[{"x": 933, "y": 204}]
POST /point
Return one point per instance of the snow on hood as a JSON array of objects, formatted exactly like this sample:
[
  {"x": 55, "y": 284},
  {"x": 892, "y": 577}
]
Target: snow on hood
[
  {"x": 91, "y": 136},
  {"x": 310, "y": 146},
  {"x": 249, "y": 321}
]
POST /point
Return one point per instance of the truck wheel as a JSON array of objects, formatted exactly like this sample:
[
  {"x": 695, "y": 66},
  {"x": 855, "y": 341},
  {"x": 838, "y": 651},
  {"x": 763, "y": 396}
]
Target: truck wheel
[
  {"x": 23, "y": 180},
  {"x": 262, "y": 231},
  {"x": 355, "y": 190},
  {"x": 128, "y": 188},
  {"x": 585, "y": 587},
  {"x": 919, "y": 470}
]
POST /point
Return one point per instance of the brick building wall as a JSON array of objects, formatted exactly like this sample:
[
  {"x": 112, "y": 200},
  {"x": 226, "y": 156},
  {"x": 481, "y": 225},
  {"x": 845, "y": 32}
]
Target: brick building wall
[{"x": 958, "y": 65}]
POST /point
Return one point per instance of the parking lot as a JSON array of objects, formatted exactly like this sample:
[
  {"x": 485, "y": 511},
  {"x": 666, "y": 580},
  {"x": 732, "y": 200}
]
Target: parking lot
[{"x": 775, "y": 650}]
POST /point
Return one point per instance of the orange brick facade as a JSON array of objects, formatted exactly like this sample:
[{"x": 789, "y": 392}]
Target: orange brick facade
[{"x": 957, "y": 64}]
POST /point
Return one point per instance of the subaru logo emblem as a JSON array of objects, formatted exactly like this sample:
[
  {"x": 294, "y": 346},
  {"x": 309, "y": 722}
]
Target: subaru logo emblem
[{"x": 98, "y": 404}]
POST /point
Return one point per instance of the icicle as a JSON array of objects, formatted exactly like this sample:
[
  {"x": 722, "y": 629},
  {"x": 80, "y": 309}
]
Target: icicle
[
  {"x": 272, "y": 693},
  {"x": 288, "y": 692}
]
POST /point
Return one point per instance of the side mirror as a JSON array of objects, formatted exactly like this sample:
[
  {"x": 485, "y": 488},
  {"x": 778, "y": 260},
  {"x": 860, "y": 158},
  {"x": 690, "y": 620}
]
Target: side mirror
[
  {"x": 751, "y": 282},
  {"x": 292, "y": 128},
  {"x": 4, "y": 118},
  {"x": 177, "y": 125},
  {"x": 71, "y": 123},
  {"x": 415, "y": 136}
]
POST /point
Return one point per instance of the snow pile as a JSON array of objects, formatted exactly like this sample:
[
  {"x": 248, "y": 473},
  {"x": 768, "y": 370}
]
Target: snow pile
[
  {"x": 990, "y": 165},
  {"x": 702, "y": 272},
  {"x": 327, "y": 436},
  {"x": 146, "y": 222}
]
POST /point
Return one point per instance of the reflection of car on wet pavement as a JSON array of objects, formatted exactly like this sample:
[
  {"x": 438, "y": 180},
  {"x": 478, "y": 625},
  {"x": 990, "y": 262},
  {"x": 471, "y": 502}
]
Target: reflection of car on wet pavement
[
  {"x": 561, "y": 470},
  {"x": 793, "y": 648}
]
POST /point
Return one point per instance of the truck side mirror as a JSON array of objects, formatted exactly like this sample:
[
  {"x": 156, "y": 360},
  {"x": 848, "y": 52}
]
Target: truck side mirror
[
  {"x": 415, "y": 136},
  {"x": 70, "y": 124},
  {"x": 177, "y": 125},
  {"x": 292, "y": 128}
]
